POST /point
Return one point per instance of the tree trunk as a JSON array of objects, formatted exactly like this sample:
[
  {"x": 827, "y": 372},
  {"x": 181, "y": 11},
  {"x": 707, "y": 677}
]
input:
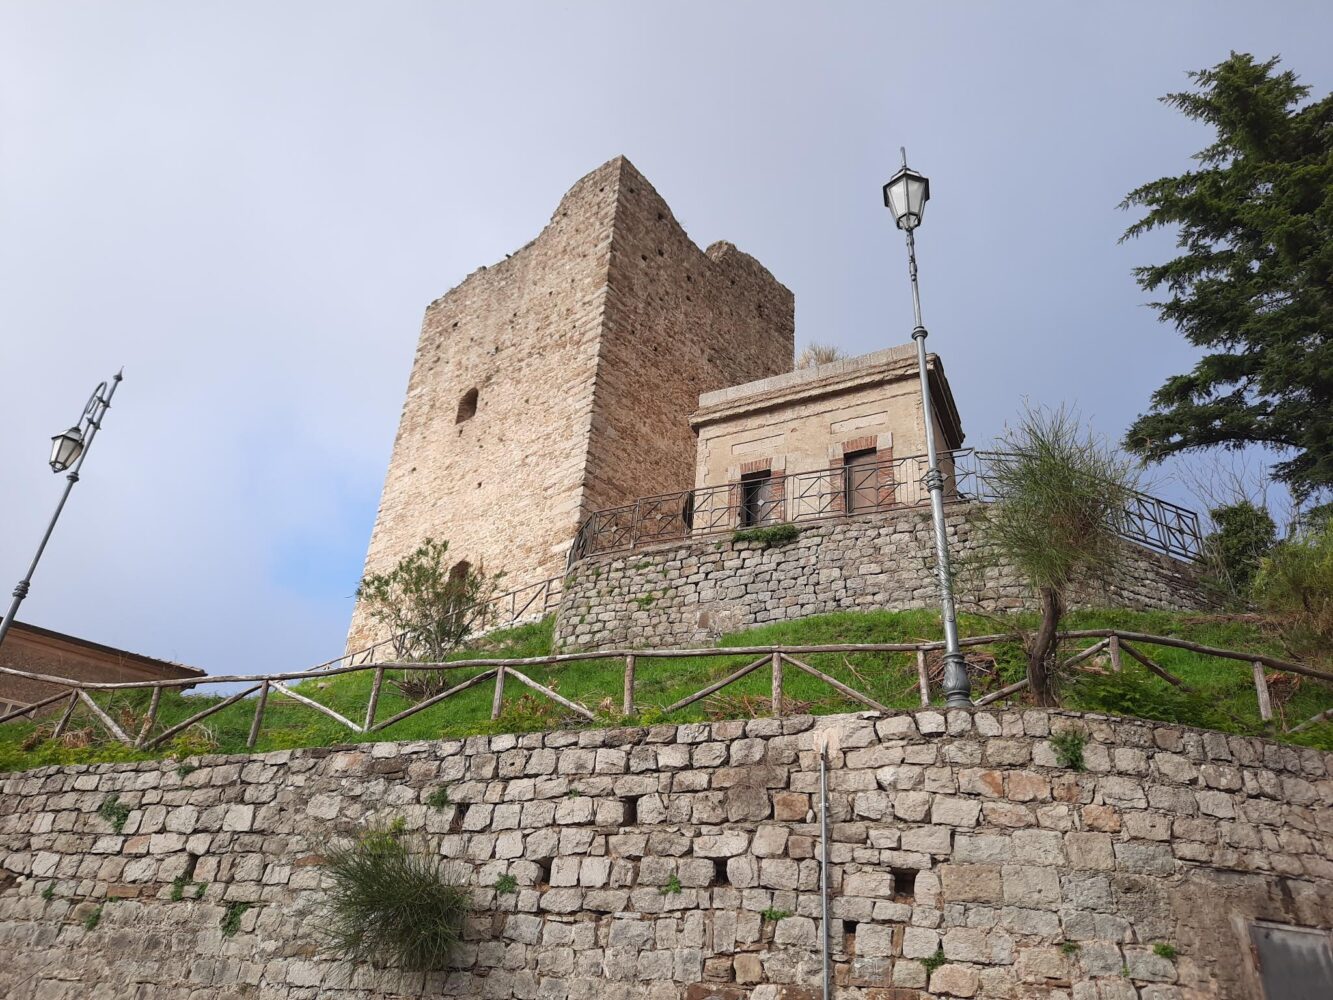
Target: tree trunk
[{"x": 1041, "y": 682}]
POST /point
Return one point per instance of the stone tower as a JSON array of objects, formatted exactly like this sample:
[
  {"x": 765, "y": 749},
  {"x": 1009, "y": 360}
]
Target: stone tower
[{"x": 561, "y": 381}]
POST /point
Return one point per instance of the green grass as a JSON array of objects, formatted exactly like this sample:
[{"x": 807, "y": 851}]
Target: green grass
[
  {"x": 231, "y": 918},
  {"x": 1225, "y": 698},
  {"x": 773, "y": 534},
  {"x": 1068, "y": 746},
  {"x": 114, "y": 812}
]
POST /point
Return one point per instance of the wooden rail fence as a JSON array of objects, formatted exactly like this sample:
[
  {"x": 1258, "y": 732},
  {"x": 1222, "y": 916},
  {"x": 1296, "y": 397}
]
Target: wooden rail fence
[{"x": 1115, "y": 643}]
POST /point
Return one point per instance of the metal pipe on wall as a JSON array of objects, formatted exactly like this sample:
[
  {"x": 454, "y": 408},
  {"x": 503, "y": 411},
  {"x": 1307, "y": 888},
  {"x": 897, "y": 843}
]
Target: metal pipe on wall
[{"x": 823, "y": 868}]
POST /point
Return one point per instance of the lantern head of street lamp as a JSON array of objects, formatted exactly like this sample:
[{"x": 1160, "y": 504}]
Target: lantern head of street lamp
[
  {"x": 65, "y": 449},
  {"x": 905, "y": 196}
]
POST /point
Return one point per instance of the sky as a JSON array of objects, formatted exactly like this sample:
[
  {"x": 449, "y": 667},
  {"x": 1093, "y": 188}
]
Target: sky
[{"x": 248, "y": 206}]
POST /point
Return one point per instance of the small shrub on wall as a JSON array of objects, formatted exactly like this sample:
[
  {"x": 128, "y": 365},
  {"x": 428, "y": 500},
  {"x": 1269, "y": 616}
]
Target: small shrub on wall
[
  {"x": 392, "y": 906},
  {"x": 773, "y": 534},
  {"x": 1295, "y": 584}
]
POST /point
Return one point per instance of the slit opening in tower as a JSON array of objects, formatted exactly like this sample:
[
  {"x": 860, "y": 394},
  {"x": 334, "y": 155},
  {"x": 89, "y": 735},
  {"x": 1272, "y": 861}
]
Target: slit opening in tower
[{"x": 467, "y": 406}]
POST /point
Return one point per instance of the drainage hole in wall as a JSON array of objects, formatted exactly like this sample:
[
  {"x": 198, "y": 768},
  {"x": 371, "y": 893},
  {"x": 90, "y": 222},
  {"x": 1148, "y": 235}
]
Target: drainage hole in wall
[
  {"x": 849, "y": 938},
  {"x": 904, "y": 884},
  {"x": 456, "y": 824}
]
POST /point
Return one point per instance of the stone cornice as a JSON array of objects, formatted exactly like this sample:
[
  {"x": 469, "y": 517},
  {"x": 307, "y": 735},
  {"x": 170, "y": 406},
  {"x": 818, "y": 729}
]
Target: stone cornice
[{"x": 894, "y": 364}]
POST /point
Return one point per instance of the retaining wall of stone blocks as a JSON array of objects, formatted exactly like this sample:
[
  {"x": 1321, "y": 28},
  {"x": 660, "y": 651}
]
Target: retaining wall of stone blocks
[
  {"x": 680, "y": 863},
  {"x": 690, "y": 593}
]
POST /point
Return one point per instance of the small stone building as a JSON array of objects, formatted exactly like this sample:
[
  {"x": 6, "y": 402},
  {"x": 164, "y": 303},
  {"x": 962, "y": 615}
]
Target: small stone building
[
  {"x": 843, "y": 437},
  {"x": 44, "y": 651}
]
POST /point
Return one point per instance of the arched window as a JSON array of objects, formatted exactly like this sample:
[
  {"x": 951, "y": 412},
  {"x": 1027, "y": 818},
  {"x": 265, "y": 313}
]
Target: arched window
[{"x": 467, "y": 406}]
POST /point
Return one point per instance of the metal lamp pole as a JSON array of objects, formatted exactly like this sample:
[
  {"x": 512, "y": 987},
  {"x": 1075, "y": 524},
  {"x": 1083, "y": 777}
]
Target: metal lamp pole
[
  {"x": 906, "y": 195},
  {"x": 68, "y": 449}
]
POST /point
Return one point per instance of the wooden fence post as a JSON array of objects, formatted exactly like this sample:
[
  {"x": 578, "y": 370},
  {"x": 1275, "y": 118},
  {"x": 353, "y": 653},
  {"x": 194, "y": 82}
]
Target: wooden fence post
[
  {"x": 149, "y": 719},
  {"x": 628, "y": 705},
  {"x": 497, "y": 702},
  {"x": 777, "y": 685},
  {"x": 64, "y": 719},
  {"x": 104, "y": 718},
  {"x": 1315, "y": 720},
  {"x": 1114, "y": 646},
  {"x": 1261, "y": 689},
  {"x": 255, "y": 723},
  {"x": 923, "y": 678},
  {"x": 374, "y": 697}
]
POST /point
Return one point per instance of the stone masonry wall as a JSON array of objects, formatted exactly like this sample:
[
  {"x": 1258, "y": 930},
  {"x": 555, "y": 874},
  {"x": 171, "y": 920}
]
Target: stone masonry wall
[
  {"x": 680, "y": 863},
  {"x": 690, "y": 593},
  {"x": 587, "y": 350}
]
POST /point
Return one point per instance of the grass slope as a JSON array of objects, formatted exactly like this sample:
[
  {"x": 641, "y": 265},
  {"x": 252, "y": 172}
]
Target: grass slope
[{"x": 1224, "y": 696}]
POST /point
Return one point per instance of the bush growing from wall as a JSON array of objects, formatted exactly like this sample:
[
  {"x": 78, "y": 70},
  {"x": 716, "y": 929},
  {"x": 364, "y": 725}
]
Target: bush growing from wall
[
  {"x": 773, "y": 534},
  {"x": 814, "y": 355},
  {"x": 1295, "y": 582},
  {"x": 1244, "y": 534},
  {"x": 392, "y": 906}
]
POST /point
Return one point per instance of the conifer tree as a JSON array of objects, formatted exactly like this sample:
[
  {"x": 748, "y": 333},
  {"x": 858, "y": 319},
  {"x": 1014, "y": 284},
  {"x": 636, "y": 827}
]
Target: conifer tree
[{"x": 1253, "y": 285}]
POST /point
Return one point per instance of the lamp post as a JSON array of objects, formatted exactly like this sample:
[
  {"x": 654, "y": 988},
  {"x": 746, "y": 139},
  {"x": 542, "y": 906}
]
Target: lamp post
[
  {"x": 906, "y": 195},
  {"x": 68, "y": 451}
]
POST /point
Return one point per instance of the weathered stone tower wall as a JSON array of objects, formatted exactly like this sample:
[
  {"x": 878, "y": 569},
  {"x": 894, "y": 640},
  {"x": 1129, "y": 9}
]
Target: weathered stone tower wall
[{"x": 580, "y": 358}]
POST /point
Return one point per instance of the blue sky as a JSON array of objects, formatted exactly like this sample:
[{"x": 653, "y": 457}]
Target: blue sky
[{"x": 248, "y": 205}]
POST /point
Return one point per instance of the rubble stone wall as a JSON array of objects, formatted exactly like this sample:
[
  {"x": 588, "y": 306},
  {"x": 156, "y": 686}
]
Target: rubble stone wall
[
  {"x": 689, "y": 593},
  {"x": 681, "y": 863}
]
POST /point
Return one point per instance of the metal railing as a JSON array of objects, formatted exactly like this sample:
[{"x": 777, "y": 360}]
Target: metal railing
[
  {"x": 849, "y": 491},
  {"x": 1116, "y": 644}
]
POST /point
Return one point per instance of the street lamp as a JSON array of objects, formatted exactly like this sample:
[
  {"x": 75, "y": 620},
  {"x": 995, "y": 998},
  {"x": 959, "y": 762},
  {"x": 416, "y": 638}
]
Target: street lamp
[
  {"x": 906, "y": 195},
  {"x": 69, "y": 449},
  {"x": 65, "y": 448}
]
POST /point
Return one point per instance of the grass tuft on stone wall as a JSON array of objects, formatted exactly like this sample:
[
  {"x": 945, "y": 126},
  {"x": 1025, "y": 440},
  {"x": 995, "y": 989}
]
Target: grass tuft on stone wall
[
  {"x": 391, "y": 905},
  {"x": 1223, "y": 697},
  {"x": 771, "y": 534}
]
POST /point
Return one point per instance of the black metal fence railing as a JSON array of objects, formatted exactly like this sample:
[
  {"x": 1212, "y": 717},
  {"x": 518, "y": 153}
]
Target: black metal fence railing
[{"x": 851, "y": 490}]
